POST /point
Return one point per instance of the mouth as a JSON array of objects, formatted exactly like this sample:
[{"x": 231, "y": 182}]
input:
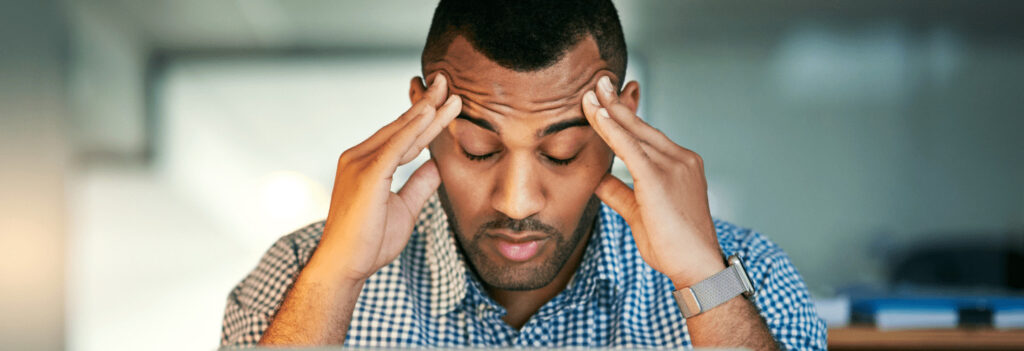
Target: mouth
[{"x": 518, "y": 248}]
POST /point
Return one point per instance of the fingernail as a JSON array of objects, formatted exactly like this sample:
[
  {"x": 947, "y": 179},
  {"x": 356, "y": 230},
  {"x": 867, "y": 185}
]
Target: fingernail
[
  {"x": 437, "y": 80},
  {"x": 591, "y": 98},
  {"x": 605, "y": 84},
  {"x": 603, "y": 112}
]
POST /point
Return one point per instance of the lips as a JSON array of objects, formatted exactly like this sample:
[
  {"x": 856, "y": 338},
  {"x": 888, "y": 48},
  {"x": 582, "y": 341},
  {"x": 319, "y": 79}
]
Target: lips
[
  {"x": 518, "y": 252},
  {"x": 518, "y": 248}
]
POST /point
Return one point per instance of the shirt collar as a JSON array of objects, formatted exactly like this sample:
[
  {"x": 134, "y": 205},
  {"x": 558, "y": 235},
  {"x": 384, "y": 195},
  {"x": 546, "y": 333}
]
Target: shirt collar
[
  {"x": 612, "y": 234},
  {"x": 438, "y": 274},
  {"x": 432, "y": 264}
]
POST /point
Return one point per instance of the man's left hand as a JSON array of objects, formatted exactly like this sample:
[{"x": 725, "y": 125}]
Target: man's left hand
[{"x": 667, "y": 208}]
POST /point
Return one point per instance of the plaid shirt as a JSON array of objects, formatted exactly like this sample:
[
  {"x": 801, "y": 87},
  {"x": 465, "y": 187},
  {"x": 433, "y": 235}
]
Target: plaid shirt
[{"x": 430, "y": 297}]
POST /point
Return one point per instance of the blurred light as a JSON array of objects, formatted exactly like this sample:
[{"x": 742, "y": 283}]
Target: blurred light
[{"x": 286, "y": 195}]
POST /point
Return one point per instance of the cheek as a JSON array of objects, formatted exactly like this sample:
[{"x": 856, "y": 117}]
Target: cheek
[
  {"x": 571, "y": 188},
  {"x": 467, "y": 197}
]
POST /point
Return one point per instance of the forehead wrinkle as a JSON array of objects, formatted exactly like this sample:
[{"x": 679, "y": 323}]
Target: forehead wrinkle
[
  {"x": 571, "y": 99},
  {"x": 467, "y": 70},
  {"x": 486, "y": 102},
  {"x": 486, "y": 97},
  {"x": 471, "y": 104},
  {"x": 452, "y": 83},
  {"x": 553, "y": 108}
]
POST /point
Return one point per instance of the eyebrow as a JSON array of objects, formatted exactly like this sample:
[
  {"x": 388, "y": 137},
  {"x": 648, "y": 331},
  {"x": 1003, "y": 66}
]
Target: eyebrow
[
  {"x": 480, "y": 122},
  {"x": 550, "y": 129},
  {"x": 563, "y": 125}
]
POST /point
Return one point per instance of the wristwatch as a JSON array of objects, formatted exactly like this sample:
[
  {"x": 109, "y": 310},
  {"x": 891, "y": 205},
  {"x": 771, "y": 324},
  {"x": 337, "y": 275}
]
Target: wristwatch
[{"x": 713, "y": 291}]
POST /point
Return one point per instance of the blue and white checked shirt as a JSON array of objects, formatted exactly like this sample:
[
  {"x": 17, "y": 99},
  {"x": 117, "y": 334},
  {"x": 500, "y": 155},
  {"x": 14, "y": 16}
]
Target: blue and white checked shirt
[{"x": 430, "y": 297}]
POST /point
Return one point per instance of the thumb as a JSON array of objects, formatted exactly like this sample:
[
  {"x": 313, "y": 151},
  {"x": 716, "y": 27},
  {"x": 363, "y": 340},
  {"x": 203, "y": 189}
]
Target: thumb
[
  {"x": 618, "y": 196},
  {"x": 423, "y": 182}
]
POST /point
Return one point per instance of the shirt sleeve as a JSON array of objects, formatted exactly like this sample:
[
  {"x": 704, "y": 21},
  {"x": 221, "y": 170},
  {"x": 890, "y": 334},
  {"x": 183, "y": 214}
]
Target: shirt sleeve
[
  {"x": 782, "y": 296},
  {"x": 251, "y": 305}
]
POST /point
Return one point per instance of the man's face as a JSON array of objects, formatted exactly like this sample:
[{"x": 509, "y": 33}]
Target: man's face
[{"x": 520, "y": 165}]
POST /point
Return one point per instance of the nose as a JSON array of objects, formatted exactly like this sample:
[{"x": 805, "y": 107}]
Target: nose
[{"x": 519, "y": 192}]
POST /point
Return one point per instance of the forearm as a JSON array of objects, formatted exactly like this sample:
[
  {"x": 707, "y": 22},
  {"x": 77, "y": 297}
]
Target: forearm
[
  {"x": 316, "y": 311},
  {"x": 735, "y": 323}
]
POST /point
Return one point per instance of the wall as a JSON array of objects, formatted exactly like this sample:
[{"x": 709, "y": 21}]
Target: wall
[{"x": 845, "y": 141}]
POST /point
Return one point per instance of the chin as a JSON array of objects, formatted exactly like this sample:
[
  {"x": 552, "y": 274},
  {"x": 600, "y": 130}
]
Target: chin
[{"x": 516, "y": 276}]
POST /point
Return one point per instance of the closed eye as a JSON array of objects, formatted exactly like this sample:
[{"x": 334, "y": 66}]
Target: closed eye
[
  {"x": 484, "y": 157},
  {"x": 560, "y": 161},
  {"x": 473, "y": 157}
]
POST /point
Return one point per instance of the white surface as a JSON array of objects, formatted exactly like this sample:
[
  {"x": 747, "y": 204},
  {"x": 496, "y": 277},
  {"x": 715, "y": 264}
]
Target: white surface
[
  {"x": 1009, "y": 319},
  {"x": 835, "y": 311},
  {"x": 893, "y": 319}
]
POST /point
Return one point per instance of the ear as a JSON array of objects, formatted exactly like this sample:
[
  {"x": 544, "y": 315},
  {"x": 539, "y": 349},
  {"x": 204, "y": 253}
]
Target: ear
[
  {"x": 630, "y": 95},
  {"x": 416, "y": 90}
]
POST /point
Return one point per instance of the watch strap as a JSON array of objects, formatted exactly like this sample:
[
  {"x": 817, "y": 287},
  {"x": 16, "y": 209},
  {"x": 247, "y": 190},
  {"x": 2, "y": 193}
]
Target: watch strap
[
  {"x": 713, "y": 291},
  {"x": 719, "y": 288}
]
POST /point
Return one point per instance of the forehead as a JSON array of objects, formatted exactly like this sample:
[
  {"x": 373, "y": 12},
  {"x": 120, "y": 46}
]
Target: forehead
[{"x": 488, "y": 86}]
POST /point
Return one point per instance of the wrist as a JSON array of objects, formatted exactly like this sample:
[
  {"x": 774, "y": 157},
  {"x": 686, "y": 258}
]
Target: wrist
[
  {"x": 697, "y": 273},
  {"x": 329, "y": 279},
  {"x": 328, "y": 270}
]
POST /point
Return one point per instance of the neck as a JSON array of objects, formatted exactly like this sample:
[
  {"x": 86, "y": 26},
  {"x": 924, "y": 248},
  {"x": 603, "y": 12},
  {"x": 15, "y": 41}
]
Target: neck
[{"x": 521, "y": 305}]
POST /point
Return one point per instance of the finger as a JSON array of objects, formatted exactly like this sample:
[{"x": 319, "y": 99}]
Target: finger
[
  {"x": 658, "y": 158},
  {"x": 437, "y": 93},
  {"x": 420, "y": 186},
  {"x": 609, "y": 99},
  {"x": 618, "y": 196},
  {"x": 433, "y": 97},
  {"x": 444, "y": 115},
  {"x": 652, "y": 152},
  {"x": 388, "y": 156},
  {"x": 622, "y": 142}
]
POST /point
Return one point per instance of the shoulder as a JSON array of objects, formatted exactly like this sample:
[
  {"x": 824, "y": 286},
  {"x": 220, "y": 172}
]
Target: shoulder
[
  {"x": 782, "y": 295},
  {"x": 303, "y": 240},
  {"x": 291, "y": 252},
  {"x": 266, "y": 285},
  {"x": 766, "y": 262},
  {"x": 744, "y": 242},
  {"x": 254, "y": 301}
]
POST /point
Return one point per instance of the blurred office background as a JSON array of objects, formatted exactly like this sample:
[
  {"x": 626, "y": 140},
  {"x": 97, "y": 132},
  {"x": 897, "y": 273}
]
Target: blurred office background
[{"x": 150, "y": 151}]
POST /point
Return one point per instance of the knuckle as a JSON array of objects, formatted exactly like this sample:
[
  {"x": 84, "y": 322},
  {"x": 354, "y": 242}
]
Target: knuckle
[
  {"x": 345, "y": 158},
  {"x": 692, "y": 159}
]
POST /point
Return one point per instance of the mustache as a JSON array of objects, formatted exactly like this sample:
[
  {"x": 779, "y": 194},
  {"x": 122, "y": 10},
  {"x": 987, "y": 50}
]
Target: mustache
[{"x": 520, "y": 225}]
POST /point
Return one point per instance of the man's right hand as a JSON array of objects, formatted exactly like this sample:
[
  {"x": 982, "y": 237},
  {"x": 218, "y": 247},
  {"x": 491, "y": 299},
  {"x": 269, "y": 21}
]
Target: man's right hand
[{"x": 368, "y": 225}]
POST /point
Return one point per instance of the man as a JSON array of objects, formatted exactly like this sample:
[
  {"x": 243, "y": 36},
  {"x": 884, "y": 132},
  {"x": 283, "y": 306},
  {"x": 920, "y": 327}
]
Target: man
[{"x": 502, "y": 239}]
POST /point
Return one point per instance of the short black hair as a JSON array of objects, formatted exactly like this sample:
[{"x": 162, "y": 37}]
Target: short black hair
[{"x": 527, "y": 35}]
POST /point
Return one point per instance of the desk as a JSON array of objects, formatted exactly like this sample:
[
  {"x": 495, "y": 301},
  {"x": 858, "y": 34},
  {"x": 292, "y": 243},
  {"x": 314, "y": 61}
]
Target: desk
[{"x": 869, "y": 338}]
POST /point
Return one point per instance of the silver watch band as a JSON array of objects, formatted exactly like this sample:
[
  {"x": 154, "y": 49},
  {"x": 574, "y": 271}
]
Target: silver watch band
[{"x": 715, "y": 290}]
